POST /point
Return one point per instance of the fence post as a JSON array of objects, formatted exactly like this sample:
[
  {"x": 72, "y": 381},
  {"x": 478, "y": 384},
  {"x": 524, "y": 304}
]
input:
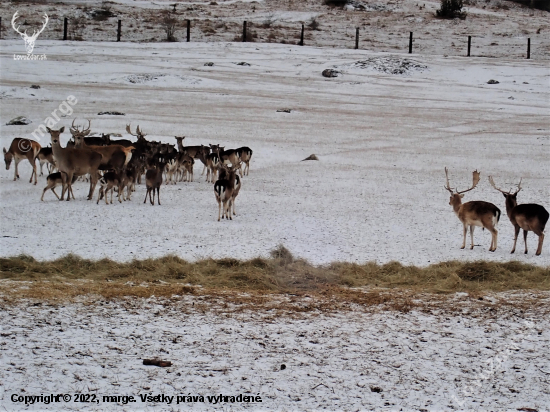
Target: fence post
[
  {"x": 188, "y": 31},
  {"x": 244, "y": 31},
  {"x": 119, "y": 30},
  {"x": 411, "y": 43},
  {"x": 469, "y": 44},
  {"x": 65, "y": 29},
  {"x": 302, "y": 36},
  {"x": 529, "y": 48}
]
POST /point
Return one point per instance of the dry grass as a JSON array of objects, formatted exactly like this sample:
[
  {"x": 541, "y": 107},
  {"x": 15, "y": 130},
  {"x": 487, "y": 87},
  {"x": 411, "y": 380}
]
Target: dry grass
[{"x": 255, "y": 282}]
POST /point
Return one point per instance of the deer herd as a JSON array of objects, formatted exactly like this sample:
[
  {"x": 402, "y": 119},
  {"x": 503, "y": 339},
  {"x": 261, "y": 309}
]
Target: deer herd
[{"x": 118, "y": 165}]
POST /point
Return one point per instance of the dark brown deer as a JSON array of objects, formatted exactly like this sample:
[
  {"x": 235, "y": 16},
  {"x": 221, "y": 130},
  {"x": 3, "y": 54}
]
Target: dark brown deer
[
  {"x": 153, "y": 179},
  {"x": 224, "y": 189},
  {"x": 21, "y": 149},
  {"x": 108, "y": 182},
  {"x": 54, "y": 180},
  {"x": 245, "y": 154},
  {"x": 474, "y": 213},
  {"x": 45, "y": 155},
  {"x": 527, "y": 216}
]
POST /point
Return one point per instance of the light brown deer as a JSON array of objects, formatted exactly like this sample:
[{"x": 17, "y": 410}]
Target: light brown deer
[
  {"x": 527, "y": 216},
  {"x": 21, "y": 149},
  {"x": 474, "y": 213},
  {"x": 114, "y": 157},
  {"x": 72, "y": 161}
]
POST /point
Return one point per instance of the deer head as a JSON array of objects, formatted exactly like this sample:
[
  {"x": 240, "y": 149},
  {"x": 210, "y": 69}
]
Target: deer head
[
  {"x": 78, "y": 134},
  {"x": 29, "y": 40}
]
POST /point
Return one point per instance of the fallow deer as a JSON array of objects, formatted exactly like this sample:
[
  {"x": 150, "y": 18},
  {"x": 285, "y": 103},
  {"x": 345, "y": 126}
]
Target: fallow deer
[
  {"x": 108, "y": 182},
  {"x": 21, "y": 149},
  {"x": 114, "y": 157},
  {"x": 72, "y": 161},
  {"x": 54, "y": 180},
  {"x": 474, "y": 213},
  {"x": 527, "y": 216},
  {"x": 236, "y": 189},
  {"x": 244, "y": 153},
  {"x": 153, "y": 179},
  {"x": 45, "y": 155},
  {"x": 223, "y": 190}
]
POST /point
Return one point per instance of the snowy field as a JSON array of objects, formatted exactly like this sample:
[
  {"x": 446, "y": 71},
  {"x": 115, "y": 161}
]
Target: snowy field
[
  {"x": 358, "y": 360},
  {"x": 383, "y": 131}
]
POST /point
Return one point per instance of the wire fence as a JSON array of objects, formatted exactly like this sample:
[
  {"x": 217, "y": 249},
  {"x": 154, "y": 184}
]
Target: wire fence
[{"x": 474, "y": 44}]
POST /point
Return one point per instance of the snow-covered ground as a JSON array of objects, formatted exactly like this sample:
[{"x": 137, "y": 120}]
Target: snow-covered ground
[
  {"x": 383, "y": 131},
  {"x": 481, "y": 360}
]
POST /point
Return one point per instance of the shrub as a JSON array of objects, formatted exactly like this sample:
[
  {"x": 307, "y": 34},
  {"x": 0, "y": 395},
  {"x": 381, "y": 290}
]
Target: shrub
[
  {"x": 451, "y": 9},
  {"x": 335, "y": 3}
]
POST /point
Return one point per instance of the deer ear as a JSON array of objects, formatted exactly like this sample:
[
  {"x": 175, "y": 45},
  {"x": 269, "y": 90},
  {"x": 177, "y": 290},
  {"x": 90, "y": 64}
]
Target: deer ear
[
  {"x": 62, "y": 129},
  {"x": 48, "y": 129},
  {"x": 461, "y": 195},
  {"x": 504, "y": 194},
  {"x": 5, "y": 151}
]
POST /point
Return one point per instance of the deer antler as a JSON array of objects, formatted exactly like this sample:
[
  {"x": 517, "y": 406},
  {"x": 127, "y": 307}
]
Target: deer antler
[
  {"x": 502, "y": 191},
  {"x": 476, "y": 177},
  {"x": 74, "y": 129},
  {"x": 86, "y": 132},
  {"x": 448, "y": 185}
]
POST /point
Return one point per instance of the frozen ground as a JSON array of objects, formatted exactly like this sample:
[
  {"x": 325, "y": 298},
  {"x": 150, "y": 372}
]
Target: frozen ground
[
  {"x": 383, "y": 140},
  {"x": 483, "y": 360}
]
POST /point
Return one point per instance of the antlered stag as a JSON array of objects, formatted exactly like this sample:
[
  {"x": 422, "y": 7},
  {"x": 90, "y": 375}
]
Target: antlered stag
[
  {"x": 474, "y": 213},
  {"x": 527, "y": 216}
]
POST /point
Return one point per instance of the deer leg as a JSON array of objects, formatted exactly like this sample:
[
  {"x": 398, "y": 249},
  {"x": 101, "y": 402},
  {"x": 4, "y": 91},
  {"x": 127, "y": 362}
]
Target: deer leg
[
  {"x": 16, "y": 173},
  {"x": 525, "y": 239},
  {"x": 464, "y": 237},
  {"x": 219, "y": 208},
  {"x": 64, "y": 185},
  {"x": 541, "y": 239},
  {"x": 93, "y": 184},
  {"x": 472, "y": 236},
  {"x": 494, "y": 234},
  {"x": 146, "y": 193},
  {"x": 33, "y": 163},
  {"x": 44, "y": 191},
  {"x": 152, "y": 199},
  {"x": 53, "y": 190},
  {"x": 516, "y": 231}
]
